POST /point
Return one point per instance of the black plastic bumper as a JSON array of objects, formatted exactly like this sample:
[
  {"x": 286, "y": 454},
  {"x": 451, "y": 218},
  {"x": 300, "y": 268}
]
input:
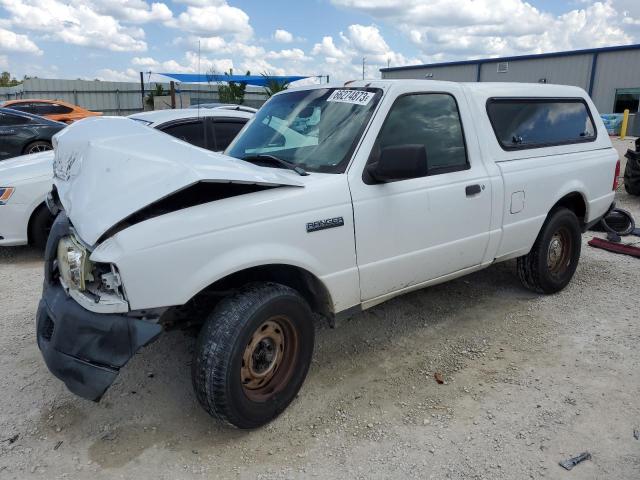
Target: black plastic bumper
[{"x": 84, "y": 349}]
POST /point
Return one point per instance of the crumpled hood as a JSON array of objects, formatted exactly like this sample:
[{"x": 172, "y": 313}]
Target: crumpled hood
[
  {"x": 25, "y": 167},
  {"x": 108, "y": 168}
]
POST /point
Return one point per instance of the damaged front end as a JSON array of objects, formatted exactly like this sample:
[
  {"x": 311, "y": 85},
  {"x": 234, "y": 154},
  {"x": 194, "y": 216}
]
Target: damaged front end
[
  {"x": 114, "y": 172},
  {"x": 110, "y": 174},
  {"x": 85, "y": 348}
]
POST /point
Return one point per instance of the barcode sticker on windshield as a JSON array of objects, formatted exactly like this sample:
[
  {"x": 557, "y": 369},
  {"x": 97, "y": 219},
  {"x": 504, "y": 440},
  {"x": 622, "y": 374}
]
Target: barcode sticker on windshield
[{"x": 357, "y": 97}]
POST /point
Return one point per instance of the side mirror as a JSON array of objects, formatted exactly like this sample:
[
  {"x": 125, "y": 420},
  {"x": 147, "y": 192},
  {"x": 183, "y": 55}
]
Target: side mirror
[{"x": 399, "y": 162}]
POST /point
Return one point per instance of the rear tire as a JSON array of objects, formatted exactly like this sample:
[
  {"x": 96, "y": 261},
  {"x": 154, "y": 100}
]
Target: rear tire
[
  {"x": 553, "y": 259},
  {"x": 253, "y": 354},
  {"x": 36, "y": 147},
  {"x": 40, "y": 226}
]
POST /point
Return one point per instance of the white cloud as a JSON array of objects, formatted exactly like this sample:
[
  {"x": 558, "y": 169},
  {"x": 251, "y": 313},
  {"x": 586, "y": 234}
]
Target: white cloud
[
  {"x": 190, "y": 64},
  {"x": 109, "y": 75},
  {"x": 282, "y": 36},
  {"x": 344, "y": 60},
  {"x": 210, "y": 20},
  {"x": 201, "y": 3},
  {"x": 144, "y": 61},
  {"x": 445, "y": 30},
  {"x": 328, "y": 49},
  {"x": 367, "y": 39},
  {"x": 293, "y": 54},
  {"x": 218, "y": 45},
  {"x": 134, "y": 11},
  {"x": 13, "y": 42},
  {"x": 77, "y": 24}
]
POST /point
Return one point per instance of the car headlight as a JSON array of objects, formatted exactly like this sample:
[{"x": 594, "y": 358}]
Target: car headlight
[
  {"x": 73, "y": 264},
  {"x": 5, "y": 194}
]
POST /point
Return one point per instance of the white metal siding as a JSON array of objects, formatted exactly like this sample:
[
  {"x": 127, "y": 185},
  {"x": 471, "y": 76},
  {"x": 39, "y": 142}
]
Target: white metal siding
[{"x": 574, "y": 70}]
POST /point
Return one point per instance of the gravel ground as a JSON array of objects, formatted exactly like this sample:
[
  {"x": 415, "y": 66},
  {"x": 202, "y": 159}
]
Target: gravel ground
[{"x": 529, "y": 380}]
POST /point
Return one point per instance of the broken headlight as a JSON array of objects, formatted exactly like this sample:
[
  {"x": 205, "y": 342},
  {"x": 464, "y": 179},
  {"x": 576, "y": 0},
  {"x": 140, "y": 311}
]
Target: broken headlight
[
  {"x": 96, "y": 286},
  {"x": 73, "y": 263}
]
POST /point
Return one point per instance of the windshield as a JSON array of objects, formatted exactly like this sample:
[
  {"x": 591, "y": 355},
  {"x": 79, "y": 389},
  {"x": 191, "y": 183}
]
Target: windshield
[{"x": 313, "y": 129}]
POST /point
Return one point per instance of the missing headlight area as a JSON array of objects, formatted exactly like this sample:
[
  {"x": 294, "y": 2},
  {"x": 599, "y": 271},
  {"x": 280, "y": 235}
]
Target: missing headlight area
[
  {"x": 96, "y": 286},
  {"x": 195, "y": 194}
]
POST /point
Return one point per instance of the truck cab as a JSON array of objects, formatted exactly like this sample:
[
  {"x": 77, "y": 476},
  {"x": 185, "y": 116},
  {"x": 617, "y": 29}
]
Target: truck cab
[{"x": 332, "y": 199}]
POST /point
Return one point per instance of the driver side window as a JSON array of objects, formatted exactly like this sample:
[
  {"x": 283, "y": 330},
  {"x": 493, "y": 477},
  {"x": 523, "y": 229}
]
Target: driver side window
[{"x": 429, "y": 119}]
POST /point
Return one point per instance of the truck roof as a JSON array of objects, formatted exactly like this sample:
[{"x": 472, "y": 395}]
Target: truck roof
[{"x": 484, "y": 89}]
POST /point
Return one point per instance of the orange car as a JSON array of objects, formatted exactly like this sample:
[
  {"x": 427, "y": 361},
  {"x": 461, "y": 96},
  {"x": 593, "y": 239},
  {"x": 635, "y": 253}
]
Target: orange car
[{"x": 51, "y": 109}]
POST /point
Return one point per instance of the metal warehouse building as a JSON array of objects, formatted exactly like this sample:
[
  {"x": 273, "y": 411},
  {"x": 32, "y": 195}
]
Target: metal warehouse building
[{"x": 611, "y": 75}]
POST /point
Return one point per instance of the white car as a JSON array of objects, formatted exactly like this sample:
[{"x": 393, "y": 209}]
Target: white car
[
  {"x": 26, "y": 180},
  {"x": 330, "y": 201}
]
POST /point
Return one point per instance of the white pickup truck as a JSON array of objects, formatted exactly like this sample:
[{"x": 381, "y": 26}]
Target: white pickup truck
[{"x": 330, "y": 201}]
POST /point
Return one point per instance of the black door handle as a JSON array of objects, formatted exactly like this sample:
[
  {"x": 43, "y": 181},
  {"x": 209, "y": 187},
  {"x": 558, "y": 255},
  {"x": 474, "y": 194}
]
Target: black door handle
[{"x": 472, "y": 190}]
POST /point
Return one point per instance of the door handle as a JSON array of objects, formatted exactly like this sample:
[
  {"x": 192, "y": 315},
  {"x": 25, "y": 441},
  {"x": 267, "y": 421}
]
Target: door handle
[{"x": 472, "y": 190}]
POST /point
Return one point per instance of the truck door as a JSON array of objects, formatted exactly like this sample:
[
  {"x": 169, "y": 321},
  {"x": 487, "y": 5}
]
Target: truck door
[{"x": 415, "y": 230}]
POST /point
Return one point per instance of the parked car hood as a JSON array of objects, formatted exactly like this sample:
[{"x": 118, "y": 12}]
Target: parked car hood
[
  {"x": 25, "y": 167},
  {"x": 108, "y": 168}
]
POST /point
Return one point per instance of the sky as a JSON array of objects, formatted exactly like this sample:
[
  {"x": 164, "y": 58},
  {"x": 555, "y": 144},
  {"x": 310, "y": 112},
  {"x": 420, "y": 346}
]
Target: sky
[{"x": 116, "y": 39}]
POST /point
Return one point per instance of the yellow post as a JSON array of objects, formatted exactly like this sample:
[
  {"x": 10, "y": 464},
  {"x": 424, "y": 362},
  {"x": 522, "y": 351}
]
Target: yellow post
[{"x": 625, "y": 121}]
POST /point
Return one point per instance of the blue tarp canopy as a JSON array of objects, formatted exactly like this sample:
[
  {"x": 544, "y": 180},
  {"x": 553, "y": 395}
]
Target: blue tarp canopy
[{"x": 257, "y": 80}]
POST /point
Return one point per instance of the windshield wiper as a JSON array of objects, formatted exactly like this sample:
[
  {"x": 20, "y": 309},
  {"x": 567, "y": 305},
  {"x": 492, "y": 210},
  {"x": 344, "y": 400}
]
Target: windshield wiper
[{"x": 272, "y": 158}]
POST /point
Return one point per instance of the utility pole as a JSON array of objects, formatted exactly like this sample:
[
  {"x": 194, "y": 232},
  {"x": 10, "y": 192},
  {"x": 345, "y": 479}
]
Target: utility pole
[
  {"x": 363, "y": 60},
  {"x": 172, "y": 92},
  {"x": 141, "y": 89}
]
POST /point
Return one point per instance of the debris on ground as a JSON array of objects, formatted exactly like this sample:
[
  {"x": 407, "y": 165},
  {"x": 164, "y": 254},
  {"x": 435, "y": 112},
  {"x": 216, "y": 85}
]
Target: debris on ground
[
  {"x": 615, "y": 247},
  {"x": 636, "y": 434},
  {"x": 439, "y": 378},
  {"x": 60, "y": 442},
  {"x": 11, "y": 439},
  {"x": 573, "y": 461}
]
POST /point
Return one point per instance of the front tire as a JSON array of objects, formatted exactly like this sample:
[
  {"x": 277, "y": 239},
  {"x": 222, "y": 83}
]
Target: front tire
[
  {"x": 253, "y": 354},
  {"x": 553, "y": 259}
]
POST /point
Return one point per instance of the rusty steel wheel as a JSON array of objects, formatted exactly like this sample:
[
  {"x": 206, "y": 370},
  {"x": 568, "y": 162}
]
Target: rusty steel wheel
[
  {"x": 559, "y": 252},
  {"x": 554, "y": 256},
  {"x": 253, "y": 354},
  {"x": 269, "y": 359}
]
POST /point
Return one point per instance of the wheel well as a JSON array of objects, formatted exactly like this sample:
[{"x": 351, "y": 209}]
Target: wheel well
[
  {"x": 301, "y": 280},
  {"x": 574, "y": 201},
  {"x": 30, "y": 223}
]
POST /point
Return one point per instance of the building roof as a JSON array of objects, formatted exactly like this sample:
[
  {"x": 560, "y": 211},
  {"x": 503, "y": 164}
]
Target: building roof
[{"x": 518, "y": 57}]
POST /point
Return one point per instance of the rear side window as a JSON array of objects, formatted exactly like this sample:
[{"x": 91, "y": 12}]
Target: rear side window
[
  {"x": 7, "y": 120},
  {"x": 24, "y": 107},
  {"x": 54, "y": 109},
  {"x": 430, "y": 119},
  {"x": 190, "y": 132},
  {"x": 225, "y": 132},
  {"x": 535, "y": 123}
]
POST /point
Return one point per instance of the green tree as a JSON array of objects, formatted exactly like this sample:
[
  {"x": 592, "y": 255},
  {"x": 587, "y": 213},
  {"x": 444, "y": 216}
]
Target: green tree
[
  {"x": 156, "y": 92},
  {"x": 229, "y": 92},
  {"x": 273, "y": 85},
  {"x": 6, "y": 80}
]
